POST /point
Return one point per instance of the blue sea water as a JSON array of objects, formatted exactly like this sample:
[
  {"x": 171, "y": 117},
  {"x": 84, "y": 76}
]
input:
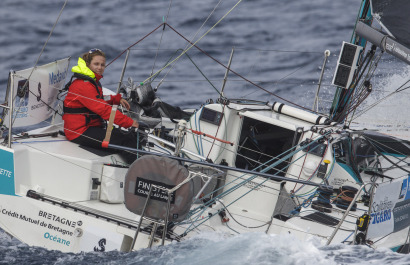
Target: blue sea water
[{"x": 278, "y": 44}]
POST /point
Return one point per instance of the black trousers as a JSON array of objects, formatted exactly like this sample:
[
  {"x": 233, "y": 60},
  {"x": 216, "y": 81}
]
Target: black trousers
[{"x": 94, "y": 136}]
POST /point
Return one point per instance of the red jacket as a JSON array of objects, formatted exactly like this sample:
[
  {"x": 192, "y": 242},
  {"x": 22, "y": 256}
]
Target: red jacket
[{"x": 83, "y": 94}]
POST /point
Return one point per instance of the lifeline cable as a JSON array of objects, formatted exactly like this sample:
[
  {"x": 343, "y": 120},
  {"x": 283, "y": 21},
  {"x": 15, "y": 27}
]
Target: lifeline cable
[
  {"x": 194, "y": 45},
  {"x": 254, "y": 175},
  {"x": 237, "y": 74}
]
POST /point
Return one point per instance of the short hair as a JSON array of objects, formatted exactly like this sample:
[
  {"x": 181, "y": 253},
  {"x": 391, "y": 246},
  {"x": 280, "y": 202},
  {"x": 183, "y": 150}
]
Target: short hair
[{"x": 88, "y": 56}]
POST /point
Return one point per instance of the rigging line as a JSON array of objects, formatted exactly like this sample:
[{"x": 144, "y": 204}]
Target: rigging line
[
  {"x": 96, "y": 140},
  {"x": 192, "y": 45},
  {"x": 65, "y": 160},
  {"x": 252, "y": 66},
  {"x": 347, "y": 106},
  {"x": 223, "y": 147},
  {"x": 216, "y": 133},
  {"x": 244, "y": 49},
  {"x": 99, "y": 102},
  {"x": 347, "y": 97},
  {"x": 162, "y": 35},
  {"x": 229, "y": 191},
  {"x": 129, "y": 47},
  {"x": 240, "y": 80},
  {"x": 42, "y": 50},
  {"x": 360, "y": 98},
  {"x": 382, "y": 144},
  {"x": 49, "y": 36},
  {"x": 38, "y": 97},
  {"x": 196, "y": 66},
  {"x": 270, "y": 166},
  {"x": 279, "y": 81},
  {"x": 189, "y": 229},
  {"x": 239, "y": 75},
  {"x": 192, "y": 38},
  {"x": 398, "y": 90},
  {"x": 250, "y": 227}
]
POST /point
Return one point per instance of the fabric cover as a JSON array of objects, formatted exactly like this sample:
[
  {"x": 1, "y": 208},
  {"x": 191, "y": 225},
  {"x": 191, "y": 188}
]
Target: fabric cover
[
  {"x": 112, "y": 184},
  {"x": 160, "y": 171}
]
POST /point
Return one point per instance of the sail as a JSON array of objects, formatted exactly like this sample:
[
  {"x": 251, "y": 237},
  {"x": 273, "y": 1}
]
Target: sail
[
  {"x": 35, "y": 92},
  {"x": 393, "y": 16}
]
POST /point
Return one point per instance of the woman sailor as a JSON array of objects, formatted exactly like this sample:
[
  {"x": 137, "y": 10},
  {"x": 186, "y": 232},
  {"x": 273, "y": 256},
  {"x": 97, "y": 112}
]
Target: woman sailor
[{"x": 86, "y": 108}]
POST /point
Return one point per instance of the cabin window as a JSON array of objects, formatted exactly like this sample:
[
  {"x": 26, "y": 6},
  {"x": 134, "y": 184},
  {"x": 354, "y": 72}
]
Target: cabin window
[{"x": 261, "y": 144}]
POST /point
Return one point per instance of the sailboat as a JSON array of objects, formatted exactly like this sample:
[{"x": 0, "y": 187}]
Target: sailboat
[{"x": 231, "y": 166}]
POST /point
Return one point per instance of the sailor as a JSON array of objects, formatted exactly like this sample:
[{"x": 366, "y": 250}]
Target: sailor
[{"x": 86, "y": 108}]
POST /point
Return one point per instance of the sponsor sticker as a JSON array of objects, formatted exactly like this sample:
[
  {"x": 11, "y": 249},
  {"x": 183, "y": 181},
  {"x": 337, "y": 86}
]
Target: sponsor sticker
[
  {"x": 158, "y": 190},
  {"x": 7, "y": 171}
]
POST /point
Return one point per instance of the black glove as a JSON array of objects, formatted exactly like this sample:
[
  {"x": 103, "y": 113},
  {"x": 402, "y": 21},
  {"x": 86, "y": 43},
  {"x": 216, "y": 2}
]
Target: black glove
[{"x": 143, "y": 126}]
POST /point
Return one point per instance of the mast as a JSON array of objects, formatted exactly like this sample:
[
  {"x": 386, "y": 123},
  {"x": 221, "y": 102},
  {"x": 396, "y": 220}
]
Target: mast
[{"x": 342, "y": 96}]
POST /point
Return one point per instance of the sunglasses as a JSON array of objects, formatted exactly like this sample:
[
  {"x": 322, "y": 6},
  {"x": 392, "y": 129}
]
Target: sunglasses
[{"x": 94, "y": 50}]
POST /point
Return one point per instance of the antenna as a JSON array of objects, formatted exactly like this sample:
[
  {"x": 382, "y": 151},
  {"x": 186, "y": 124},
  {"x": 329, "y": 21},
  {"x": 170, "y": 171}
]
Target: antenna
[{"x": 226, "y": 73}]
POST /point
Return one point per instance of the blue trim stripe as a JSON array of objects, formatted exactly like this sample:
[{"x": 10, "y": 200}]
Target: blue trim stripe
[{"x": 349, "y": 170}]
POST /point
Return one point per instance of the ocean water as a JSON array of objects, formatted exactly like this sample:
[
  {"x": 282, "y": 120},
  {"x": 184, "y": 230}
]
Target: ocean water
[{"x": 278, "y": 44}]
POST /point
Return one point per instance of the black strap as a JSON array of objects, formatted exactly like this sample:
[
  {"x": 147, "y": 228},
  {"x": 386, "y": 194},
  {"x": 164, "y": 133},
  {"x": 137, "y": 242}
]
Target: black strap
[
  {"x": 89, "y": 115},
  {"x": 84, "y": 111},
  {"x": 68, "y": 84},
  {"x": 86, "y": 78},
  {"x": 280, "y": 108},
  {"x": 75, "y": 110}
]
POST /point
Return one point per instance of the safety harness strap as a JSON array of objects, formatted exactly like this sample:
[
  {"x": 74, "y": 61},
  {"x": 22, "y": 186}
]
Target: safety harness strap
[{"x": 86, "y": 78}]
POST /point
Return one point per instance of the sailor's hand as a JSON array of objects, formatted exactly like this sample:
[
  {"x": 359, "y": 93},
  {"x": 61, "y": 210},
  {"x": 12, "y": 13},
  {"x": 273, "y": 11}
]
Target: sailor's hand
[
  {"x": 125, "y": 104},
  {"x": 135, "y": 124}
]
